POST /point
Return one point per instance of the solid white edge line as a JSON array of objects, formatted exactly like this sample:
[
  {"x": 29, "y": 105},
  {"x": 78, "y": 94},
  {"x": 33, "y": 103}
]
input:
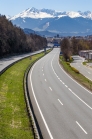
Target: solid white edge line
[
  {"x": 39, "y": 106},
  {"x": 69, "y": 88},
  {"x": 89, "y": 72},
  {"x": 60, "y": 102},
  {"x": 81, "y": 127},
  {"x": 74, "y": 80},
  {"x": 81, "y": 99}
]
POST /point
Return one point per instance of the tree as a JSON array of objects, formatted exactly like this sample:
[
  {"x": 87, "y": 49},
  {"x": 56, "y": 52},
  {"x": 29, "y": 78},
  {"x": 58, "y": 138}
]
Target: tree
[
  {"x": 14, "y": 40},
  {"x": 66, "y": 48}
]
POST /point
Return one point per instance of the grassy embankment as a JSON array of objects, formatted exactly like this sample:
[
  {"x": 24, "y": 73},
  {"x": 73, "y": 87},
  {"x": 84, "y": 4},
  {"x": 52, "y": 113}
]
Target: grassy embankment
[
  {"x": 75, "y": 74},
  {"x": 14, "y": 120},
  {"x": 88, "y": 61}
]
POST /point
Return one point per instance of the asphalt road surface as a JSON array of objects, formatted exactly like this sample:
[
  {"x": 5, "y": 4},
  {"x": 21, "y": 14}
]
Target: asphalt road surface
[
  {"x": 63, "y": 107},
  {"x": 83, "y": 69},
  {"x": 7, "y": 61}
]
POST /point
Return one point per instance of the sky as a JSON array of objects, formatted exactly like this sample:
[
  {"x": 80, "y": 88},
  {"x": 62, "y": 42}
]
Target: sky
[{"x": 13, "y": 7}]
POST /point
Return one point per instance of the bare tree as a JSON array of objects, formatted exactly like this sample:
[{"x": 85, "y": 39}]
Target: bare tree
[{"x": 66, "y": 48}]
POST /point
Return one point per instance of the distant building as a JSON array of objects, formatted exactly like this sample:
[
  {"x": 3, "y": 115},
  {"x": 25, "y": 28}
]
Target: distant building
[{"x": 87, "y": 54}]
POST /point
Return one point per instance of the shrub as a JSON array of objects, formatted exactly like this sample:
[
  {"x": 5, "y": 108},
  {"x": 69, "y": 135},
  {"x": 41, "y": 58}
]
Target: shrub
[
  {"x": 75, "y": 70},
  {"x": 71, "y": 59},
  {"x": 68, "y": 63}
]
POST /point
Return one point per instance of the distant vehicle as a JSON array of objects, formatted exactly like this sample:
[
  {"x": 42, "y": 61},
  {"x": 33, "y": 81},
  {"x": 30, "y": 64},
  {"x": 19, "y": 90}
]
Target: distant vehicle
[
  {"x": 56, "y": 44},
  {"x": 61, "y": 54}
]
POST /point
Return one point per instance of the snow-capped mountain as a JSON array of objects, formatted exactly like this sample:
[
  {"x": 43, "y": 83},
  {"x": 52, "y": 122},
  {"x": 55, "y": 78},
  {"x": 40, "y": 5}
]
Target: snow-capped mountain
[
  {"x": 48, "y": 13},
  {"x": 54, "y": 21},
  {"x": 8, "y": 17}
]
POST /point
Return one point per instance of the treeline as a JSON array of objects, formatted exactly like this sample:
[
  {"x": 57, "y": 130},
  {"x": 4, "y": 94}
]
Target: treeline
[
  {"x": 14, "y": 40},
  {"x": 73, "y": 46}
]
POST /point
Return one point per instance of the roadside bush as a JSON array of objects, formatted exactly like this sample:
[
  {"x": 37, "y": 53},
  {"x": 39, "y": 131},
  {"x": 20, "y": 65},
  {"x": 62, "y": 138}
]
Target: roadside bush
[
  {"x": 68, "y": 63},
  {"x": 71, "y": 59},
  {"x": 75, "y": 70}
]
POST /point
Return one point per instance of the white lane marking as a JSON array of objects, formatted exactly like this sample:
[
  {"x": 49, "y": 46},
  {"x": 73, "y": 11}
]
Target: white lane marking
[
  {"x": 81, "y": 127},
  {"x": 74, "y": 80},
  {"x": 48, "y": 130},
  {"x": 80, "y": 99},
  {"x": 50, "y": 88},
  {"x": 55, "y": 72},
  {"x": 89, "y": 72},
  {"x": 60, "y": 102},
  {"x": 42, "y": 70},
  {"x": 61, "y": 81},
  {"x": 45, "y": 80},
  {"x": 43, "y": 74},
  {"x": 70, "y": 89},
  {"x": 66, "y": 86}
]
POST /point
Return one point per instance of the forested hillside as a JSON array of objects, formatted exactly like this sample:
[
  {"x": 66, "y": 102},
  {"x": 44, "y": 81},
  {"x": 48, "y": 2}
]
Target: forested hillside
[{"x": 13, "y": 40}]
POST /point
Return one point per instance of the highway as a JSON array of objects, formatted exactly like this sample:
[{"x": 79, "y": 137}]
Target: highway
[
  {"x": 5, "y": 62},
  {"x": 62, "y": 107},
  {"x": 83, "y": 69}
]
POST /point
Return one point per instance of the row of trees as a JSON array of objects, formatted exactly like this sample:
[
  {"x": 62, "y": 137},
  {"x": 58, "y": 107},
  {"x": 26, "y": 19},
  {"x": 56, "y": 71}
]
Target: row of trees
[
  {"x": 73, "y": 46},
  {"x": 14, "y": 40}
]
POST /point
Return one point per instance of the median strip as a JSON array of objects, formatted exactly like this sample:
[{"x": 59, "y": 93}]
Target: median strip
[{"x": 14, "y": 120}]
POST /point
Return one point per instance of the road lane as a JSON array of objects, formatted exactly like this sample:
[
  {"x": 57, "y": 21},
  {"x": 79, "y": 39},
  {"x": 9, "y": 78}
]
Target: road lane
[
  {"x": 60, "y": 119},
  {"x": 5, "y": 62},
  {"x": 85, "y": 70}
]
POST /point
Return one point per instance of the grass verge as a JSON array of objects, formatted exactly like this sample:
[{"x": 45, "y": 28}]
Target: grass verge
[
  {"x": 14, "y": 120},
  {"x": 77, "y": 76},
  {"x": 84, "y": 63}
]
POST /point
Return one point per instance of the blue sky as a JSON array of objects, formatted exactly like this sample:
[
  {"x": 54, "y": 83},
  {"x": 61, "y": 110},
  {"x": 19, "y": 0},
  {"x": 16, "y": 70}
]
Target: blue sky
[{"x": 13, "y": 7}]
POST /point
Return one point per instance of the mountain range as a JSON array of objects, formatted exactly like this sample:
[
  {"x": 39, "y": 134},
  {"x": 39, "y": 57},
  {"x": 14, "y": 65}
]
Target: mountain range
[{"x": 52, "y": 21}]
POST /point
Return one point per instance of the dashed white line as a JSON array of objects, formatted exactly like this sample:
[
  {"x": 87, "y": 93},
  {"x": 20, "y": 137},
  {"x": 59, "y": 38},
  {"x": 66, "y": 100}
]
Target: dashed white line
[
  {"x": 74, "y": 81},
  {"x": 48, "y": 130},
  {"x": 66, "y": 86},
  {"x": 43, "y": 74},
  {"x": 45, "y": 80},
  {"x": 60, "y": 102},
  {"x": 61, "y": 81},
  {"x": 81, "y": 127},
  {"x": 50, "y": 88}
]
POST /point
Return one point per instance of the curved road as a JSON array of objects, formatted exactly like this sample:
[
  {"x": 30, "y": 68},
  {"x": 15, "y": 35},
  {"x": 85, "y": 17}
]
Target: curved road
[
  {"x": 85, "y": 70},
  {"x": 63, "y": 107}
]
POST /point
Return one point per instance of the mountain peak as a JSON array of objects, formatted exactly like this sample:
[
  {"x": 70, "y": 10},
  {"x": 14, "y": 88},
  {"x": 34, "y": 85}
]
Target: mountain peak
[{"x": 49, "y": 13}]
